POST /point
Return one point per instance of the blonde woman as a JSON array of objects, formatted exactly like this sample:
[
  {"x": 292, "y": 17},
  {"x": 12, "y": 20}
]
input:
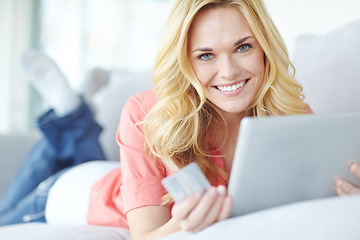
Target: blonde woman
[{"x": 219, "y": 61}]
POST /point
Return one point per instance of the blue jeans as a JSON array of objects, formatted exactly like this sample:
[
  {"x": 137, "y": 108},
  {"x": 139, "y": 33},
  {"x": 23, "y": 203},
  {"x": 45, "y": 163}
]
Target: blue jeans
[{"x": 67, "y": 141}]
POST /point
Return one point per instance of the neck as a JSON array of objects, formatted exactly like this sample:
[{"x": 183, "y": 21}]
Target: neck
[
  {"x": 226, "y": 139},
  {"x": 233, "y": 119}
]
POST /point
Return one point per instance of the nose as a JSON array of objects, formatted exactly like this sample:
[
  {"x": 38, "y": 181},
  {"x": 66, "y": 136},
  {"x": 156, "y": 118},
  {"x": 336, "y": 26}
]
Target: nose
[{"x": 229, "y": 68}]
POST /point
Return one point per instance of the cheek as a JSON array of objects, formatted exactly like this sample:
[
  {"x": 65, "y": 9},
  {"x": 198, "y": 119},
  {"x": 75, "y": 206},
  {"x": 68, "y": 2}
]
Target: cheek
[
  {"x": 256, "y": 66},
  {"x": 203, "y": 73}
]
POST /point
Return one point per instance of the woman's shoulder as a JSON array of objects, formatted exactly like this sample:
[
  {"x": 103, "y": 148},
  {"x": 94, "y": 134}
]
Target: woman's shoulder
[
  {"x": 140, "y": 104},
  {"x": 133, "y": 113},
  {"x": 147, "y": 98}
]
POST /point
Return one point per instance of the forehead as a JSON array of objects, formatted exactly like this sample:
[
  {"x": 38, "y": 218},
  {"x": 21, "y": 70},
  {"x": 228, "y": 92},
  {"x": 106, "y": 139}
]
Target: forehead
[{"x": 221, "y": 22}]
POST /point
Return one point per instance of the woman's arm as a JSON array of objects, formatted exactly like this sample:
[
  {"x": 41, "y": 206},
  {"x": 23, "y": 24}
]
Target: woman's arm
[
  {"x": 151, "y": 222},
  {"x": 344, "y": 187},
  {"x": 193, "y": 214}
]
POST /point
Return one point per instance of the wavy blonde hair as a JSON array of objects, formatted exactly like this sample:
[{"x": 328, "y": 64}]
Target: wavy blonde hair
[{"x": 178, "y": 128}]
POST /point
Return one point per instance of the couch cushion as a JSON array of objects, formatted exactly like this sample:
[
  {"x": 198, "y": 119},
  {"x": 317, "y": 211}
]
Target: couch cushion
[
  {"x": 328, "y": 67},
  {"x": 323, "y": 219},
  {"x": 13, "y": 149},
  {"x": 42, "y": 231}
]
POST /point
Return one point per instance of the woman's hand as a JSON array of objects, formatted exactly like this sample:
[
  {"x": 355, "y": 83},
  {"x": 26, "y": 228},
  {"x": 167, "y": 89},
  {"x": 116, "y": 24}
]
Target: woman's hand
[
  {"x": 199, "y": 211},
  {"x": 344, "y": 187}
]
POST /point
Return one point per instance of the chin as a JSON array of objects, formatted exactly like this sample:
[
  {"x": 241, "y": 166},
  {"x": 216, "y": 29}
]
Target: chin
[{"x": 234, "y": 110}]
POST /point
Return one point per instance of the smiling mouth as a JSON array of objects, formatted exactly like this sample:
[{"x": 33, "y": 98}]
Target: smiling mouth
[{"x": 233, "y": 87}]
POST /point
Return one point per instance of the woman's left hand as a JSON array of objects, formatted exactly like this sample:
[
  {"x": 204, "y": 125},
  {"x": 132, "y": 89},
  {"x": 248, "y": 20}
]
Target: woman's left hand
[{"x": 344, "y": 187}]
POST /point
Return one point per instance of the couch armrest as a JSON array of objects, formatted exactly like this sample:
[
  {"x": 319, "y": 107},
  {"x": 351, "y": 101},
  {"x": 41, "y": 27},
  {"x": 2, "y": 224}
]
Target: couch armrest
[{"x": 13, "y": 149}]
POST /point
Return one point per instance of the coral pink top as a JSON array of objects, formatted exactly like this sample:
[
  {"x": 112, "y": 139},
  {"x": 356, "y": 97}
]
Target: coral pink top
[{"x": 138, "y": 182}]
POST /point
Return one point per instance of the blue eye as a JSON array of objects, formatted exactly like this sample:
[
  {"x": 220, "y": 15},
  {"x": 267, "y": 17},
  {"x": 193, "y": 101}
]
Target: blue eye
[
  {"x": 206, "y": 56},
  {"x": 244, "y": 48}
]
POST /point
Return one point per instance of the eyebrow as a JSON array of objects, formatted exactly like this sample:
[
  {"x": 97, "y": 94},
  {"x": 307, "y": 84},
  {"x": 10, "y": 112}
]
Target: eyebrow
[{"x": 238, "y": 42}]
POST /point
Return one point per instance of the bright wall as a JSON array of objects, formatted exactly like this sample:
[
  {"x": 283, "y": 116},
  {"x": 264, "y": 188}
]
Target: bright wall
[{"x": 298, "y": 17}]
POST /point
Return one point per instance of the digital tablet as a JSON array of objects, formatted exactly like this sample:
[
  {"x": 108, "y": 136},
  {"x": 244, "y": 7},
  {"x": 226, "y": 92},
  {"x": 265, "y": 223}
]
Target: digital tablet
[{"x": 287, "y": 159}]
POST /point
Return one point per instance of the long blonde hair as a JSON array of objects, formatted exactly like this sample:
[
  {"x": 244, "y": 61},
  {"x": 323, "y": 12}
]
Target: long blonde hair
[{"x": 180, "y": 125}]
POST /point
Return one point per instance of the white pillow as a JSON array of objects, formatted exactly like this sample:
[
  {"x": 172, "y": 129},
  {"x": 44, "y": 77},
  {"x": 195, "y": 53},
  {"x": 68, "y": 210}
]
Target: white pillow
[
  {"x": 68, "y": 199},
  {"x": 328, "y": 67}
]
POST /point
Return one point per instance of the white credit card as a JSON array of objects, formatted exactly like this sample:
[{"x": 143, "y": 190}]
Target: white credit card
[{"x": 188, "y": 180}]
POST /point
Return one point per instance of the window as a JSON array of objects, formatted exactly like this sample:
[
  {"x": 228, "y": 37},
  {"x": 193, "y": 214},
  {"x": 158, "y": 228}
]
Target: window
[
  {"x": 16, "y": 20},
  {"x": 112, "y": 34},
  {"x": 78, "y": 35}
]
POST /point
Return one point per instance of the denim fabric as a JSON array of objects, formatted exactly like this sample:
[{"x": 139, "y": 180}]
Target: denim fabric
[
  {"x": 67, "y": 141},
  {"x": 32, "y": 207}
]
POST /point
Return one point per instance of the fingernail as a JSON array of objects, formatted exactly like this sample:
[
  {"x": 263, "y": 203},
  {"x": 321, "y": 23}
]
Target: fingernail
[
  {"x": 197, "y": 196},
  {"x": 221, "y": 190},
  {"x": 212, "y": 191},
  {"x": 343, "y": 185},
  {"x": 355, "y": 168}
]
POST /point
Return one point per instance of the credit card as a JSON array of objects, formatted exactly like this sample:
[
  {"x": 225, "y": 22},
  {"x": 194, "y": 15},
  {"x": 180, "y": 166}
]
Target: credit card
[{"x": 188, "y": 180}]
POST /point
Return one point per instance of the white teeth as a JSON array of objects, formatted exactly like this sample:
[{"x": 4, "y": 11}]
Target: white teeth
[{"x": 231, "y": 88}]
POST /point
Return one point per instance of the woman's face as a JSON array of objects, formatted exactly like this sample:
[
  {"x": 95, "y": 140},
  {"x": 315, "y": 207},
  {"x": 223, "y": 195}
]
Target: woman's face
[{"x": 226, "y": 58}]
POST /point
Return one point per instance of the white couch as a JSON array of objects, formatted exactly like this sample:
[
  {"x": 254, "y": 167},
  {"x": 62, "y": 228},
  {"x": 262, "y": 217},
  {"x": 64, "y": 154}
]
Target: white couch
[{"x": 328, "y": 67}]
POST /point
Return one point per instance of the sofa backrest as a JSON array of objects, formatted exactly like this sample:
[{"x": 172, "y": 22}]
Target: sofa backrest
[
  {"x": 109, "y": 102},
  {"x": 328, "y": 67}
]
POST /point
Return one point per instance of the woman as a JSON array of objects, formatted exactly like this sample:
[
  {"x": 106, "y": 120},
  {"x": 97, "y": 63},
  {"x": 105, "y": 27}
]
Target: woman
[{"x": 219, "y": 61}]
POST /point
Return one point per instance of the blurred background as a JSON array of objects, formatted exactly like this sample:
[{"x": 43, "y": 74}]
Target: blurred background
[{"x": 118, "y": 35}]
